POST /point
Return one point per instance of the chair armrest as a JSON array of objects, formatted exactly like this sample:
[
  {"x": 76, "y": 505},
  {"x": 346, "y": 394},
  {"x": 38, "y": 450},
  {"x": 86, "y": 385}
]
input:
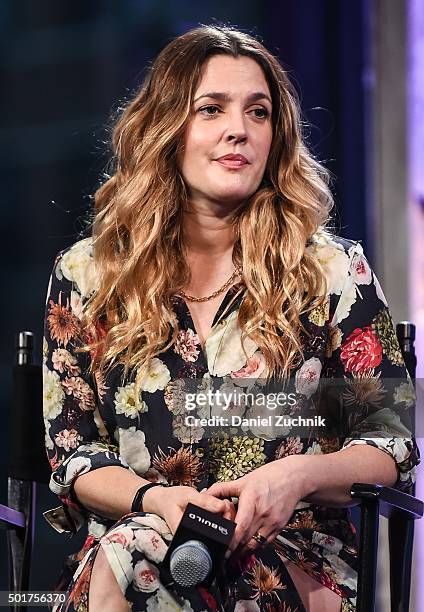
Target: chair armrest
[
  {"x": 10, "y": 518},
  {"x": 390, "y": 500}
]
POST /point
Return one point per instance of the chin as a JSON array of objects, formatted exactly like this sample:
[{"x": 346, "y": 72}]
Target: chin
[
  {"x": 231, "y": 200},
  {"x": 234, "y": 195}
]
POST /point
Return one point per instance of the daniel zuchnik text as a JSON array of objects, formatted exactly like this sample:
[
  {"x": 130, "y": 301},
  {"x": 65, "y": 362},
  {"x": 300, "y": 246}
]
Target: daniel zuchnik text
[{"x": 272, "y": 420}]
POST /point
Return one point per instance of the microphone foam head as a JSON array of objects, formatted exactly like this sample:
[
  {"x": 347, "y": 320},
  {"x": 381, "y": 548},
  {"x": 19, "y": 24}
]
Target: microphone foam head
[{"x": 190, "y": 563}]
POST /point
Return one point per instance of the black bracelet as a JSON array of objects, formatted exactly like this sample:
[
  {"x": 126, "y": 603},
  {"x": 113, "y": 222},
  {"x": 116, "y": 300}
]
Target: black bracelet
[{"x": 137, "y": 504}]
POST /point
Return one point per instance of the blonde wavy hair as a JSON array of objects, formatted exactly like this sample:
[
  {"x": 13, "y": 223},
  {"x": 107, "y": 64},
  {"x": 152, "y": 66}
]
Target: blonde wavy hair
[{"x": 137, "y": 228}]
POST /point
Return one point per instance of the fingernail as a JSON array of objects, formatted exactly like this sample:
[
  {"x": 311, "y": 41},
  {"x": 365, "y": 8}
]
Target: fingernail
[
  {"x": 228, "y": 554},
  {"x": 203, "y": 490}
]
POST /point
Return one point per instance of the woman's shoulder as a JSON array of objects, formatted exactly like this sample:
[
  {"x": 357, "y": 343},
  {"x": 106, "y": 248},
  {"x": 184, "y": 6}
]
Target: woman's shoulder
[
  {"x": 325, "y": 239},
  {"x": 337, "y": 256},
  {"x": 76, "y": 264}
]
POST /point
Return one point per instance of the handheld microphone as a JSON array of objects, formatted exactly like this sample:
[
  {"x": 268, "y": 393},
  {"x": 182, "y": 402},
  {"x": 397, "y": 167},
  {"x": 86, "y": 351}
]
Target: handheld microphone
[{"x": 198, "y": 547}]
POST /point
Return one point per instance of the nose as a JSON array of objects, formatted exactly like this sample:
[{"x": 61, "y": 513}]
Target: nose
[
  {"x": 236, "y": 136},
  {"x": 236, "y": 130}
]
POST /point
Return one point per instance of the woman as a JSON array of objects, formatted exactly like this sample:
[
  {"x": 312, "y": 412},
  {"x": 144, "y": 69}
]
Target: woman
[{"x": 209, "y": 258}]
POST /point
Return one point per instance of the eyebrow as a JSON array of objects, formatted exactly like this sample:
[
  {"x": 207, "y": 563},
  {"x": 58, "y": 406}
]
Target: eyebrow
[{"x": 218, "y": 95}]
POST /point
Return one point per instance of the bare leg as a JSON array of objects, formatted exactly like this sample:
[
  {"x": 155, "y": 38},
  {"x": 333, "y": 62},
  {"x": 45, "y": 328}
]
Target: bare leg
[
  {"x": 315, "y": 596},
  {"x": 104, "y": 593}
]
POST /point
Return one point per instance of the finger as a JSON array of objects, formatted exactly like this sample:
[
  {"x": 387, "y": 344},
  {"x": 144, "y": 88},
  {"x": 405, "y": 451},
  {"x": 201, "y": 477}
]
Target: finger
[
  {"x": 211, "y": 503},
  {"x": 244, "y": 525},
  {"x": 247, "y": 522},
  {"x": 252, "y": 544},
  {"x": 230, "y": 511},
  {"x": 225, "y": 489}
]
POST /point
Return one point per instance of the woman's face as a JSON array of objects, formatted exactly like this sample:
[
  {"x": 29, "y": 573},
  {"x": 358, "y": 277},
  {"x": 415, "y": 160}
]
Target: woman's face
[{"x": 231, "y": 116}]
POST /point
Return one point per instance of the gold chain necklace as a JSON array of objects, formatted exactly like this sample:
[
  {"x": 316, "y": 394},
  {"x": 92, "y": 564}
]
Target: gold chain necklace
[{"x": 238, "y": 271}]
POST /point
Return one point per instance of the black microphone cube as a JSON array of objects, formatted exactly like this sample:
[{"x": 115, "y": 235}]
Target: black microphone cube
[{"x": 209, "y": 528}]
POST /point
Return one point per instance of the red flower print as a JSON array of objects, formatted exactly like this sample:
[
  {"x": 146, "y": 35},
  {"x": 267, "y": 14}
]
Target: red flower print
[
  {"x": 68, "y": 501},
  {"x": 362, "y": 350},
  {"x": 89, "y": 542},
  {"x": 208, "y": 598},
  {"x": 325, "y": 580}
]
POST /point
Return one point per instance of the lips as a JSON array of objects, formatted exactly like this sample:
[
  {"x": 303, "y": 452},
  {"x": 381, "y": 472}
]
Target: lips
[{"x": 232, "y": 160}]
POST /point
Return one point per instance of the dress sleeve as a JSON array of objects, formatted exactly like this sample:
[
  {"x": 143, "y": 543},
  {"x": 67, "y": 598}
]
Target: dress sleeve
[
  {"x": 76, "y": 438},
  {"x": 375, "y": 391}
]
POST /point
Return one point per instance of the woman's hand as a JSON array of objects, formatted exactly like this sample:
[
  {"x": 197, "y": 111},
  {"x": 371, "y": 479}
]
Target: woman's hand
[
  {"x": 267, "y": 498},
  {"x": 170, "y": 503}
]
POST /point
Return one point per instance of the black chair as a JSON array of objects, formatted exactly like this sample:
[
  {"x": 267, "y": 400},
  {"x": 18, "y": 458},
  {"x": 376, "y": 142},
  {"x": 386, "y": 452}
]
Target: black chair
[
  {"x": 28, "y": 465},
  {"x": 400, "y": 508}
]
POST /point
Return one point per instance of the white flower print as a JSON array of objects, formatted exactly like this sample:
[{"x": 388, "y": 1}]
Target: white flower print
[
  {"x": 186, "y": 345},
  {"x": 75, "y": 467},
  {"x": 151, "y": 544},
  {"x": 64, "y": 361},
  {"x": 67, "y": 439},
  {"x": 156, "y": 377},
  {"x": 246, "y": 605},
  {"x": 307, "y": 377},
  {"x": 125, "y": 402},
  {"x": 315, "y": 449},
  {"x": 405, "y": 394},
  {"x": 95, "y": 529},
  {"x": 334, "y": 261},
  {"x": 224, "y": 349},
  {"x": 133, "y": 449},
  {"x": 53, "y": 394},
  {"x": 162, "y": 601},
  {"x": 330, "y": 543},
  {"x": 146, "y": 577},
  {"x": 360, "y": 270},
  {"x": 77, "y": 265}
]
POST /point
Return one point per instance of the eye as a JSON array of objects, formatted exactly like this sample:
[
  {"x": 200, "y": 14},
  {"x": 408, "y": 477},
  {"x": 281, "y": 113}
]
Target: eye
[
  {"x": 205, "y": 110},
  {"x": 264, "y": 112}
]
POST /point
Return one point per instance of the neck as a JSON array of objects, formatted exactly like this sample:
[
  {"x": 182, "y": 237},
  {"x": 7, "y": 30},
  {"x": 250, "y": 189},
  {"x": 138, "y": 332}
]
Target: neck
[{"x": 208, "y": 233}]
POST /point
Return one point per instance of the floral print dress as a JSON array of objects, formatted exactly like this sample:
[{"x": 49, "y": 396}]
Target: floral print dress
[{"x": 92, "y": 423}]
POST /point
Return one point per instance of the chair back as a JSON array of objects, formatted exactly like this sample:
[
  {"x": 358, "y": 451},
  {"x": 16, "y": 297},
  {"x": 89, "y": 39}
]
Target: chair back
[{"x": 27, "y": 462}]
